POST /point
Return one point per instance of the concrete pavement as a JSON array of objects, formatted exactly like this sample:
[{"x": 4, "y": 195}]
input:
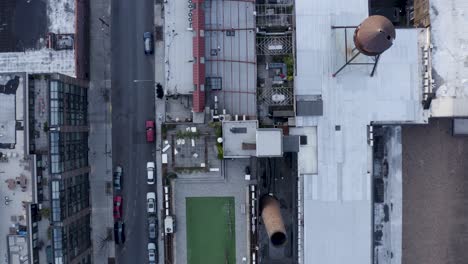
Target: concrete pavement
[
  {"x": 99, "y": 111},
  {"x": 160, "y": 110}
]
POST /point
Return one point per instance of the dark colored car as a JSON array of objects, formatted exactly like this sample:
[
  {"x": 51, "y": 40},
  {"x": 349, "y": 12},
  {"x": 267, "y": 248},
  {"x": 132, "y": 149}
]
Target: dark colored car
[
  {"x": 119, "y": 232},
  {"x": 118, "y": 178},
  {"x": 148, "y": 41},
  {"x": 118, "y": 207},
  {"x": 152, "y": 227},
  {"x": 150, "y": 131}
]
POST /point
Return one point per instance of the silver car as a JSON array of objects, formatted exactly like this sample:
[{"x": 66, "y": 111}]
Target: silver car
[
  {"x": 151, "y": 252},
  {"x": 151, "y": 202},
  {"x": 118, "y": 171}
]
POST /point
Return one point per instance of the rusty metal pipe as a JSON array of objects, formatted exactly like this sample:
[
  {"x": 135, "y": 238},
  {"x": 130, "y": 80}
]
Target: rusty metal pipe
[{"x": 273, "y": 220}]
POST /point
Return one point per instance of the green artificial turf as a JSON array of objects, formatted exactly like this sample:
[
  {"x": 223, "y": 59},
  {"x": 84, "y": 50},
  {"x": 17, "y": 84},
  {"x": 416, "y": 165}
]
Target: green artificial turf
[{"x": 211, "y": 237}]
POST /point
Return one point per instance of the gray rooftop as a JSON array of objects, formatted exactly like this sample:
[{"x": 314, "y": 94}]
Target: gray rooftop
[
  {"x": 16, "y": 181},
  {"x": 291, "y": 143},
  {"x": 7, "y": 119},
  {"x": 235, "y": 135},
  {"x": 17, "y": 249},
  {"x": 11, "y": 106},
  {"x": 309, "y": 107},
  {"x": 269, "y": 142},
  {"x": 231, "y": 55}
]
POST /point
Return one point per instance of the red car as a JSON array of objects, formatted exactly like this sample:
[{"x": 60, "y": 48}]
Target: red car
[
  {"x": 118, "y": 207},
  {"x": 150, "y": 131}
]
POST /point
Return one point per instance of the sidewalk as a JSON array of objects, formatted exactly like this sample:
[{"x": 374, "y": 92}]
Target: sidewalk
[
  {"x": 100, "y": 139},
  {"x": 160, "y": 108}
]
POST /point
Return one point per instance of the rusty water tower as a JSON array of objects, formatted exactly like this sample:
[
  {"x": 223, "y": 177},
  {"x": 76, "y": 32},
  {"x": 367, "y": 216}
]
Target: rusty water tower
[
  {"x": 371, "y": 38},
  {"x": 271, "y": 216}
]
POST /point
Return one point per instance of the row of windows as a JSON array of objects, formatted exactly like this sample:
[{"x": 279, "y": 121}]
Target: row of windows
[
  {"x": 68, "y": 151},
  {"x": 74, "y": 238},
  {"x": 68, "y": 104},
  {"x": 79, "y": 236},
  {"x": 69, "y": 196},
  {"x": 77, "y": 189},
  {"x": 71, "y": 240},
  {"x": 59, "y": 239}
]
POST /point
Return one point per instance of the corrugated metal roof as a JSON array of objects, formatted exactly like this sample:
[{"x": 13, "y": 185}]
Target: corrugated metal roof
[
  {"x": 198, "y": 47},
  {"x": 198, "y": 73},
  {"x": 198, "y": 101},
  {"x": 198, "y": 19}
]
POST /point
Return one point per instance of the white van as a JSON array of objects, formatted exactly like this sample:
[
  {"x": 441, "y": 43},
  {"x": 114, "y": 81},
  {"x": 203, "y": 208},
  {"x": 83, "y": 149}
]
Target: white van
[{"x": 150, "y": 172}]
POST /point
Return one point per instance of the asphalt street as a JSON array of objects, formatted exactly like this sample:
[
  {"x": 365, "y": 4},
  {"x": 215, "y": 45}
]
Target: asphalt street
[{"x": 132, "y": 105}]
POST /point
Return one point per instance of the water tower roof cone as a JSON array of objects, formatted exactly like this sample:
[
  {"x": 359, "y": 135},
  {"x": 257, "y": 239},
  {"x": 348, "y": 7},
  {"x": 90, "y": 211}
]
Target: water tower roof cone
[{"x": 374, "y": 35}]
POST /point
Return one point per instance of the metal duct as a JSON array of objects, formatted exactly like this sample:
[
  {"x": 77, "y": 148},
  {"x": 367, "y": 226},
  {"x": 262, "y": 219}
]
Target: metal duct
[{"x": 273, "y": 220}]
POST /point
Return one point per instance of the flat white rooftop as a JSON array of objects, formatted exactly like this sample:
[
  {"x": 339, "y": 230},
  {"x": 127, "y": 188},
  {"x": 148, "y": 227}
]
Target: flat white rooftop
[
  {"x": 269, "y": 142},
  {"x": 337, "y": 199},
  {"x": 179, "y": 47},
  {"x": 16, "y": 186},
  {"x": 235, "y": 135},
  {"x": 449, "y": 37},
  {"x": 39, "y": 61}
]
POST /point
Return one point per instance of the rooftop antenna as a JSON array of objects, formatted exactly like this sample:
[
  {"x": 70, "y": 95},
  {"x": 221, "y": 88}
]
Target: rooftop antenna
[{"x": 371, "y": 38}]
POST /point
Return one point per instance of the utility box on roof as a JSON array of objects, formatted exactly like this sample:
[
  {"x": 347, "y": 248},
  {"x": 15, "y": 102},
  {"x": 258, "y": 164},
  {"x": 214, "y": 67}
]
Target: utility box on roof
[
  {"x": 169, "y": 224},
  {"x": 460, "y": 127}
]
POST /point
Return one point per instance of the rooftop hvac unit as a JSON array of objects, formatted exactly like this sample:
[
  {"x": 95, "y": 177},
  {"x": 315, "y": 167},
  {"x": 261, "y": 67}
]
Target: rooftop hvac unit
[
  {"x": 225, "y": 118},
  {"x": 169, "y": 225}
]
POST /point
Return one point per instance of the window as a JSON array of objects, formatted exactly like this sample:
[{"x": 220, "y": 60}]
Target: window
[
  {"x": 68, "y": 151},
  {"x": 214, "y": 83},
  {"x": 68, "y": 104},
  {"x": 56, "y": 206}
]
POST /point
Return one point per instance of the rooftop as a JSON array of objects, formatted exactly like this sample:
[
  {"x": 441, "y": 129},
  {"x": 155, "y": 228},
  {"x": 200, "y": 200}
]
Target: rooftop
[
  {"x": 17, "y": 249},
  {"x": 8, "y": 111},
  {"x": 337, "y": 196},
  {"x": 269, "y": 142},
  {"x": 239, "y": 138},
  {"x": 230, "y": 56},
  {"x": 179, "y": 47},
  {"x": 32, "y": 56},
  {"x": 449, "y": 37},
  {"x": 16, "y": 170}
]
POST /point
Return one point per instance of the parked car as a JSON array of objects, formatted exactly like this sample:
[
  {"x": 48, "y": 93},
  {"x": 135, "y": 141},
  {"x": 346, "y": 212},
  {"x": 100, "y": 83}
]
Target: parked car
[
  {"x": 119, "y": 232},
  {"x": 150, "y": 172},
  {"x": 118, "y": 207},
  {"x": 151, "y": 202},
  {"x": 152, "y": 227},
  {"x": 151, "y": 252},
  {"x": 118, "y": 178},
  {"x": 148, "y": 41},
  {"x": 150, "y": 131}
]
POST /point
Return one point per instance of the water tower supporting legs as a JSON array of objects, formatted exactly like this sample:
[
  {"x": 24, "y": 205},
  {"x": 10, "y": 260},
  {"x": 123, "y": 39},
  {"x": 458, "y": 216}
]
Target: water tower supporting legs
[{"x": 350, "y": 60}]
